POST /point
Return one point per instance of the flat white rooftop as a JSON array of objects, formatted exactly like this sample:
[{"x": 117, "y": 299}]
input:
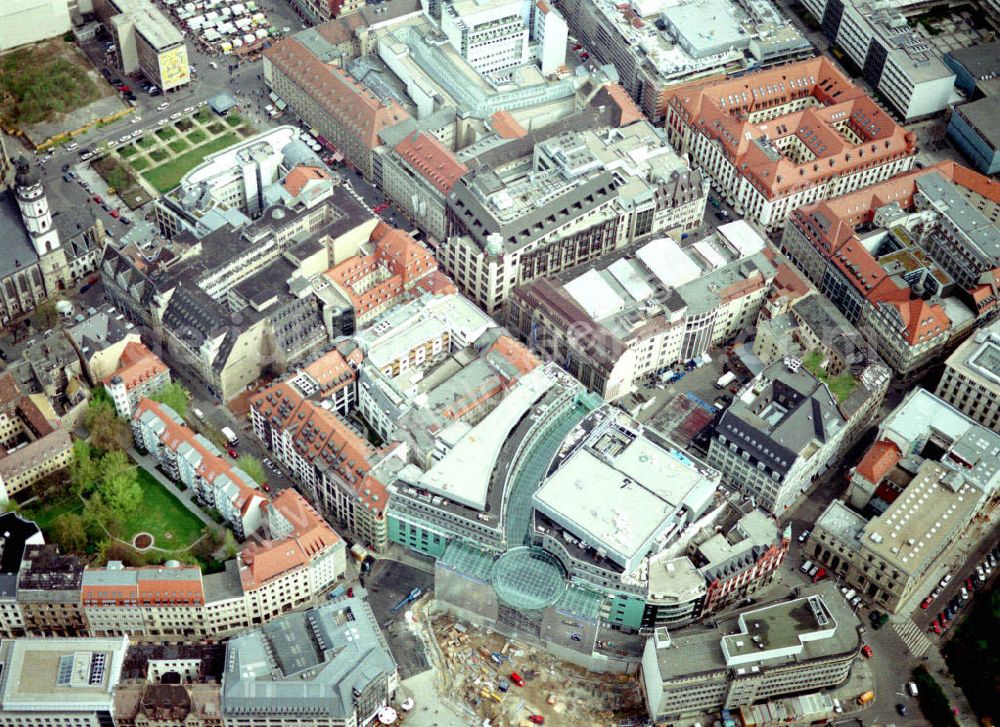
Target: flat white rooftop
[
  {"x": 463, "y": 474},
  {"x": 668, "y": 262}
]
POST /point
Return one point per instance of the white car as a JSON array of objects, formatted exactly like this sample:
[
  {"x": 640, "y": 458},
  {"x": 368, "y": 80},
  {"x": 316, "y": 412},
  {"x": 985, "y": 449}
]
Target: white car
[
  {"x": 137, "y": 133},
  {"x": 136, "y": 119},
  {"x": 162, "y": 106},
  {"x": 71, "y": 147},
  {"x": 174, "y": 117},
  {"x": 189, "y": 109},
  {"x": 161, "y": 122},
  {"x": 86, "y": 156},
  {"x": 804, "y": 536},
  {"x": 125, "y": 138}
]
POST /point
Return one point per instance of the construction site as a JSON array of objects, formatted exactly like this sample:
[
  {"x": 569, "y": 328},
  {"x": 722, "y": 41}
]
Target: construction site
[{"x": 512, "y": 684}]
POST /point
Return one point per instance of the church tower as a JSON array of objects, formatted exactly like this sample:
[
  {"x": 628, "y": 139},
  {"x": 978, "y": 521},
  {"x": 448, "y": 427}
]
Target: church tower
[{"x": 35, "y": 207}]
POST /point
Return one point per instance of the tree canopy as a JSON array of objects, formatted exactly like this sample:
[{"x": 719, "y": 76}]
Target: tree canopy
[
  {"x": 175, "y": 396},
  {"x": 253, "y": 467},
  {"x": 107, "y": 430}
]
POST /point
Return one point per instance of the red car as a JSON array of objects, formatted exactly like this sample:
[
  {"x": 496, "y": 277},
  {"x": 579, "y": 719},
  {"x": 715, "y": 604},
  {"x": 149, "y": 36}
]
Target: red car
[
  {"x": 115, "y": 213},
  {"x": 867, "y": 651},
  {"x": 585, "y": 56},
  {"x": 937, "y": 627},
  {"x": 517, "y": 678},
  {"x": 536, "y": 719},
  {"x": 926, "y": 603},
  {"x": 123, "y": 88},
  {"x": 820, "y": 575},
  {"x": 380, "y": 208},
  {"x": 267, "y": 487},
  {"x": 232, "y": 452},
  {"x": 97, "y": 198}
]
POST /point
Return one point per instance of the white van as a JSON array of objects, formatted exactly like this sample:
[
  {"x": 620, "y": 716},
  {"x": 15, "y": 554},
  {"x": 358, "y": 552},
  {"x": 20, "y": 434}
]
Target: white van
[
  {"x": 199, "y": 413},
  {"x": 837, "y": 707},
  {"x": 911, "y": 687},
  {"x": 806, "y": 566}
]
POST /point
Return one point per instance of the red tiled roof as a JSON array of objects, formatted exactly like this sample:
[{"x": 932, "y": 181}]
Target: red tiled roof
[
  {"x": 506, "y": 126},
  {"x": 406, "y": 261},
  {"x": 137, "y": 364},
  {"x": 878, "y": 461},
  {"x": 211, "y": 465},
  {"x": 300, "y": 176},
  {"x": 718, "y": 109},
  {"x": 348, "y": 102},
  {"x": 630, "y": 113},
  {"x": 431, "y": 160}
]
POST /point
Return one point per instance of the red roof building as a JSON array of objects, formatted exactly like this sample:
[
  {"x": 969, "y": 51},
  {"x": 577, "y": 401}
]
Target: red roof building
[
  {"x": 140, "y": 373},
  {"x": 777, "y": 139},
  {"x": 910, "y": 282}
]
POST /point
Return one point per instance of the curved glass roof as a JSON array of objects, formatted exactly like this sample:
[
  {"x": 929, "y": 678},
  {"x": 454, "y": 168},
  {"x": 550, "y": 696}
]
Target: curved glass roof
[{"x": 529, "y": 578}]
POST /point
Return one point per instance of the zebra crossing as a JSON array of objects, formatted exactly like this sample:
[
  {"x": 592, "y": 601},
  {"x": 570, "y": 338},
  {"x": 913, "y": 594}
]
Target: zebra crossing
[{"x": 915, "y": 639}]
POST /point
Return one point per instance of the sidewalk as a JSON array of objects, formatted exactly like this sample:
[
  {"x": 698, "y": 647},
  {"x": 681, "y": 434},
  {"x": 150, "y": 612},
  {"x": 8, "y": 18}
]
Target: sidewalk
[{"x": 185, "y": 496}]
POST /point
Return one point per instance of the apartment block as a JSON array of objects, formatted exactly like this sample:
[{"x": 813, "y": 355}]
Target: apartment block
[
  {"x": 139, "y": 374},
  {"x": 973, "y": 129},
  {"x": 195, "y": 462},
  {"x": 247, "y": 296},
  {"x": 616, "y": 322},
  {"x": 654, "y": 45},
  {"x": 330, "y": 663},
  {"x": 896, "y": 60},
  {"x": 788, "y": 426},
  {"x": 59, "y": 682},
  {"x": 303, "y": 425},
  {"x": 910, "y": 499},
  {"x": 775, "y": 140},
  {"x": 146, "y": 41},
  {"x": 911, "y": 262},
  {"x": 390, "y": 270},
  {"x": 808, "y": 641},
  {"x": 971, "y": 379},
  {"x": 575, "y": 194},
  {"x": 99, "y": 341}
]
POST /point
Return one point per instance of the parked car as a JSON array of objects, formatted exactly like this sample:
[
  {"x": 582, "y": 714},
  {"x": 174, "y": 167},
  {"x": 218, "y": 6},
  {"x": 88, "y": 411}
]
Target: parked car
[
  {"x": 925, "y": 604},
  {"x": 115, "y": 213},
  {"x": 175, "y": 116},
  {"x": 804, "y": 535},
  {"x": 232, "y": 452},
  {"x": 125, "y": 220},
  {"x": 867, "y": 651},
  {"x": 901, "y": 708},
  {"x": 97, "y": 199},
  {"x": 267, "y": 487},
  {"x": 162, "y": 106}
]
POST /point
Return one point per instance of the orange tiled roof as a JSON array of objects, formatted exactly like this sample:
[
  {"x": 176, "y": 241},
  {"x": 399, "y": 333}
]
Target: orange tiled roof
[
  {"x": 431, "y": 160},
  {"x": 404, "y": 259},
  {"x": 137, "y": 364},
  {"x": 331, "y": 370},
  {"x": 718, "y": 109},
  {"x": 878, "y": 461},
  {"x": 309, "y": 528},
  {"x": 506, "y": 126},
  {"x": 211, "y": 465},
  {"x": 319, "y": 436},
  {"x": 300, "y": 176},
  {"x": 350, "y": 104},
  {"x": 516, "y": 353},
  {"x": 630, "y": 113},
  {"x": 264, "y": 561}
]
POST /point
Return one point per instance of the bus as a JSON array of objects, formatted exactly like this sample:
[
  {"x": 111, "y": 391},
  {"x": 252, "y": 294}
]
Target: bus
[{"x": 230, "y": 436}]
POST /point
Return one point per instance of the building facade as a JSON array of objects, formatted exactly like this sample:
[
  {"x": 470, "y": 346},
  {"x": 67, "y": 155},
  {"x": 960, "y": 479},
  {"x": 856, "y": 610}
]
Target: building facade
[{"x": 971, "y": 379}]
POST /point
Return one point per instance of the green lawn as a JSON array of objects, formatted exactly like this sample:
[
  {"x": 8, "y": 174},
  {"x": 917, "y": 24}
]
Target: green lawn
[
  {"x": 146, "y": 142},
  {"x": 159, "y": 155},
  {"x": 179, "y": 145},
  {"x": 203, "y": 116},
  {"x": 166, "y": 176},
  {"x": 841, "y": 386},
  {"x": 216, "y": 128},
  {"x": 166, "y": 132},
  {"x": 45, "y": 514},
  {"x": 172, "y": 525},
  {"x": 197, "y": 136},
  {"x": 234, "y": 120},
  {"x": 140, "y": 164},
  {"x": 126, "y": 151}
]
